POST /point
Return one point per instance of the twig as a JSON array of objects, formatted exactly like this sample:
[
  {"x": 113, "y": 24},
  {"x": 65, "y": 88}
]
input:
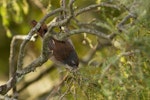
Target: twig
[
  {"x": 10, "y": 84},
  {"x": 55, "y": 88},
  {"x": 13, "y": 52},
  {"x": 124, "y": 20},
  {"x": 31, "y": 67},
  {"x": 12, "y": 68},
  {"x": 67, "y": 91},
  {"x": 22, "y": 47},
  {"x": 95, "y": 6},
  {"x": 84, "y": 30},
  {"x": 71, "y": 7},
  {"x": 13, "y": 80},
  {"x": 50, "y": 14},
  {"x": 115, "y": 60}
]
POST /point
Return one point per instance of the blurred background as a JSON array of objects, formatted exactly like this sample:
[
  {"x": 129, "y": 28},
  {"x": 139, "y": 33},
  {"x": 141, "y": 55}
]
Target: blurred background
[{"x": 106, "y": 72}]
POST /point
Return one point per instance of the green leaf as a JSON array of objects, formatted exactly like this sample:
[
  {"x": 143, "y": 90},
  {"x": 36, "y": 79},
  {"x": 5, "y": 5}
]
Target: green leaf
[
  {"x": 4, "y": 14},
  {"x": 25, "y": 7},
  {"x": 17, "y": 9},
  {"x": 8, "y": 33}
]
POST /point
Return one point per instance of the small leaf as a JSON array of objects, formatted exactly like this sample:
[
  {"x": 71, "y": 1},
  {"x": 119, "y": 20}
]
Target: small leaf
[
  {"x": 25, "y": 7},
  {"x": 3, "y": 12},
  {"x": 8, "y": 33},
  {"x": 17, "y": 9},
  {"x": 123, "y": 59}
]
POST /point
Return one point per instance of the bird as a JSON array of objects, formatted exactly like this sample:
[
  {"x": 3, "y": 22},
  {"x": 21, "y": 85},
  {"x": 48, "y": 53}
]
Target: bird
[{"x": 63, "y": 52}]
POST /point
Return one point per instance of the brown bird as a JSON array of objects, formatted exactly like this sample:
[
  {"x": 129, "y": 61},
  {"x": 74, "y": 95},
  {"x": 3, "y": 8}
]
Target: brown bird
[{"x": 63, "y": 52}]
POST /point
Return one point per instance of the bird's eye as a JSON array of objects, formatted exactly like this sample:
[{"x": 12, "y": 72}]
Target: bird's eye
[
  {"x": 73, "y": 63},
  {"x": 45, "y": 30}
]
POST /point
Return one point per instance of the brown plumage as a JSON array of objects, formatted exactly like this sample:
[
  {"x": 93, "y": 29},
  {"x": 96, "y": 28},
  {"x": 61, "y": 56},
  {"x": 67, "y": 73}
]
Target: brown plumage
[{"x": 63, "y": 51}]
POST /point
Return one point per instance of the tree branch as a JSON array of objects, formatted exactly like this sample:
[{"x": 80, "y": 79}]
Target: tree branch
[
  {"x": 32, "y": 66},
  {"x": 120, "y": 26},
  {"x": 115, "y": 60},
  {"x": 83, "y": 30},
  {"x": 95, "y": 6},
  {"x": 45, "y": 54}
]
